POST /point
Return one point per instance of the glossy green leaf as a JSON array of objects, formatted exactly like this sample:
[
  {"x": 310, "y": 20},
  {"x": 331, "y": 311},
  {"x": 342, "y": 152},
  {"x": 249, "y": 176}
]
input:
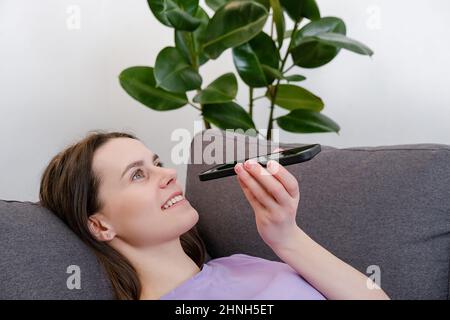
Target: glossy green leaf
[
  {"x": 278, "y": 75},
  {"x": 187, "y": 42},
  {"x": 233, "y": 24},
  {"x": 275, "y": 73},
  {"x": 248, "y": 66},
  {"x": 305, "y": 121},
  {"x": 298, "y": 9},
  {"x": 181, "y": 20},
  {"x": 265, "y": 3},
  {"x": 326, "y": 24},
  {"x": 228, "y": 116},
  {"x": 295, "y": 78},
  {"x": 249, "y": 58},
  {"x": 174, "y": 73},
  {"x": 278, "y": 18},
  {"x": 216, "y": 4},
  {"x": 311, "y": 53},
  {"x": 139, "y": 82},
  {"x": 178, "y": 14},
  {"x": 294, "y": 97},
  {"x": 311, "y": 10},
  {"x": 223, "y": 89},
  {"x": 340, "y": 41}
]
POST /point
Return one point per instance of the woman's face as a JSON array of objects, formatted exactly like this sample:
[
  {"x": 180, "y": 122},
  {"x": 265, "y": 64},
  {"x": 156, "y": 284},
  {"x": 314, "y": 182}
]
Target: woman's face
[{"x": 133, "y": 196}]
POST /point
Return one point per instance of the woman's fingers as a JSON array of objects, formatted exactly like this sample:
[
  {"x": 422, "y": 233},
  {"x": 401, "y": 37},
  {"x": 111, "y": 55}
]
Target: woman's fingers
[
  {"x": 285, "y": 177},
  {"x": 256, "y": 205},
  {"x": 289, "y": 182},
  {"x": 269, "y": 183},
  {"x": 257, "y": 190}
]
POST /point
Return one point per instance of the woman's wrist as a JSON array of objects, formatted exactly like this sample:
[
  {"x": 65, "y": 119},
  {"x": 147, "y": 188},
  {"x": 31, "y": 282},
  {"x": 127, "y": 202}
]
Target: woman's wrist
[{"x": 291, "y": 244}]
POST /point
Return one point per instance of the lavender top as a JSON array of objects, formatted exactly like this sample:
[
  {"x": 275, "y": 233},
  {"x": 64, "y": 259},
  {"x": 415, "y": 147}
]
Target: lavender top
[{"x": 241, "y": 277}]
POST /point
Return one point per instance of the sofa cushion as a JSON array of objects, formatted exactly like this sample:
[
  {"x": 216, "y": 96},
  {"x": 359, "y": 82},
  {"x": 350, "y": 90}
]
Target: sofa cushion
[
  {"x": 38, "y": 253},
  {"x": 384, "y": 207}
]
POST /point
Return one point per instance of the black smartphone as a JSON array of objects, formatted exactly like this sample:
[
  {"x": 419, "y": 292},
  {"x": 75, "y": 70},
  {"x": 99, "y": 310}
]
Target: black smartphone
[{"x": 284, "y": 157}]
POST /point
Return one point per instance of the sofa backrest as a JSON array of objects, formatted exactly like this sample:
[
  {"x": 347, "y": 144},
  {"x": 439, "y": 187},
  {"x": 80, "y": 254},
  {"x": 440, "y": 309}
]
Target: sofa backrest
[
  {"x": 41, "y": 258},
  {"x": 383, "y": 209}
]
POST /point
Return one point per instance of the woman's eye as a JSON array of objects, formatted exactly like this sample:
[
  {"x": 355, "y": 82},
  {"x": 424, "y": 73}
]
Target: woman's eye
[
  {"x": 134, "y": 174},
  {"x": 158, "y": 164}
]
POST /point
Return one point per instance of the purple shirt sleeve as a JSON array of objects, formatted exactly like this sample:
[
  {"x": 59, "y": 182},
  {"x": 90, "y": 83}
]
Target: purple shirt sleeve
[{"x": 244, "y": 277}]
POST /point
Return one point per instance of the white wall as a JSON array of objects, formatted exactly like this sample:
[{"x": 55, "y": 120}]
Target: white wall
[{"x": 57, "y": 83}]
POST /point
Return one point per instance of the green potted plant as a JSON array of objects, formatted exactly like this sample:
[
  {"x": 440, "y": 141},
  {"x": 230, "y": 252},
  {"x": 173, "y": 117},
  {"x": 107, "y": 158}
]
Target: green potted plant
[{"x": 260, "y": 60}]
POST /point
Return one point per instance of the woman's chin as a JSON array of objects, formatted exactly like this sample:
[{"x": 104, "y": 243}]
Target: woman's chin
[
  {"x": 183, "y": 209},
  {"x": 193, "y": 212}
]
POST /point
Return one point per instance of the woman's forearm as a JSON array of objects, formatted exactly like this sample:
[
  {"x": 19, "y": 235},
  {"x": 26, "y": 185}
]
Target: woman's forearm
[
  {"x": 331, "y": 276},
  {"x": 274, "y": 195}
]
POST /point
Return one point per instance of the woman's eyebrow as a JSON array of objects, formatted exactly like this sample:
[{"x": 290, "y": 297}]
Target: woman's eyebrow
[{"x": 137, "y": 163}]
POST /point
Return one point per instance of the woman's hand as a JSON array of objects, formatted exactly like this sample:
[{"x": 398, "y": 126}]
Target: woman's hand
[{"x": 274, "y": 195}]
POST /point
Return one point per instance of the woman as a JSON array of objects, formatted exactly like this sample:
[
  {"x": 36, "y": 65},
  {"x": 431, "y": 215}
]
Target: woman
[{"x": 114, "y": 193}]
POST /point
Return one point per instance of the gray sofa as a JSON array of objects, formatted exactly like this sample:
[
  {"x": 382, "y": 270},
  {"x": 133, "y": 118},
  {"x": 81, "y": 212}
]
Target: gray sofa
[{"x": 386, "y": 207}]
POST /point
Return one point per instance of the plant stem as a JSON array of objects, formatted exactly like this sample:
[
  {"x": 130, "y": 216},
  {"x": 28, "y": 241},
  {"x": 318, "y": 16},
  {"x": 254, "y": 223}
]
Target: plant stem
[
  {"x": 194, "y": 55},
  {"x": 288, "y": 69},
  {"x": 272, "y": 105},
  {"x": 264, "y": 137},
  {"x": 273, "y": 93},
  {"x": 271, "y": 28},
  {"x": 290, "y": 44},
  {"x": 196, "y": 63},
  {"x": 193, "y": 105},
  {"x": 205, "y": 122},
  {"x": 250, "y": 106}
]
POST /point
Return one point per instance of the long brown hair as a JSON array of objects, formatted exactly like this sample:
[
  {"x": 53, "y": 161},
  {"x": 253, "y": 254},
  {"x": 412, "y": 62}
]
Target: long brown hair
[{"x": 69, "y": 188}]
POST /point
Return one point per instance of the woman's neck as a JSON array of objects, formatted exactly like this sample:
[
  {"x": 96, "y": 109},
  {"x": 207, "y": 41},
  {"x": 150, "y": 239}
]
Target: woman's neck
[{"x": 160, "y": 268}]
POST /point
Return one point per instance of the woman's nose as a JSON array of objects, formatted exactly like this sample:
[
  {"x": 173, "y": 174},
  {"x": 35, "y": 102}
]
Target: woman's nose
[{"x": 169, "y": 175}]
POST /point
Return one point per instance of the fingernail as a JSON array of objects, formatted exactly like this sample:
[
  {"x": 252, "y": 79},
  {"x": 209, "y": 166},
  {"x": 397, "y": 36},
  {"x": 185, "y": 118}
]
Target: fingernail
[
  {"x": 238, "y": 167},
  {"x": 269, "y": 166},
  {"x": 272, "y": 166},
  {"x": 250, "y": 163}
]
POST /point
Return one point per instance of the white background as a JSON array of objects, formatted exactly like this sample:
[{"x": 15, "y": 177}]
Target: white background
[{"x": 57, "y": 82}]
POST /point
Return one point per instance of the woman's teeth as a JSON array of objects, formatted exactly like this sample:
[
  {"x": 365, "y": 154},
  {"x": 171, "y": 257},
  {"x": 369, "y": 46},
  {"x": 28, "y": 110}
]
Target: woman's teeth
[{"x": 172, "y": 201}]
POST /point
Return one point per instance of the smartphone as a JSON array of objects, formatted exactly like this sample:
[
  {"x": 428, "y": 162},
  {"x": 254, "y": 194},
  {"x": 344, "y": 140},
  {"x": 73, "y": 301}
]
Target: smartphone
[{"x": 284, "y": 157}]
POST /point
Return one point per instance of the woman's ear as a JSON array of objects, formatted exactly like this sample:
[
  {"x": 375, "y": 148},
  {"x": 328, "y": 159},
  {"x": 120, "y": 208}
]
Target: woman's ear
[{"x": 99, "y": 228}]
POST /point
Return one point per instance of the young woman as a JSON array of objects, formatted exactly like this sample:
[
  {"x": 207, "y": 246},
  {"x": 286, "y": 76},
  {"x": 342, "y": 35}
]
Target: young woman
[{"x": 114, "y": 193}]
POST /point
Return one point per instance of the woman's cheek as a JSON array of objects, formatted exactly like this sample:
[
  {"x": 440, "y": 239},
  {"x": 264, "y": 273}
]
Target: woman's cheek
[
  {"x": 137, "y": 220},
  {"x": 142, "y": 229}
]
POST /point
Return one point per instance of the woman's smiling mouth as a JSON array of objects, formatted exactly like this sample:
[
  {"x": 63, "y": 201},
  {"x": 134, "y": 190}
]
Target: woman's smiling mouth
[{"x": 175, "y": 201}]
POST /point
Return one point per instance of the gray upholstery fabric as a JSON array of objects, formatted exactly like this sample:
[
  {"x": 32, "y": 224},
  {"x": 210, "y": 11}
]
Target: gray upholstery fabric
[
  {"x": 36, "y": 249},
  {"x": 385, "y": 206}
]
